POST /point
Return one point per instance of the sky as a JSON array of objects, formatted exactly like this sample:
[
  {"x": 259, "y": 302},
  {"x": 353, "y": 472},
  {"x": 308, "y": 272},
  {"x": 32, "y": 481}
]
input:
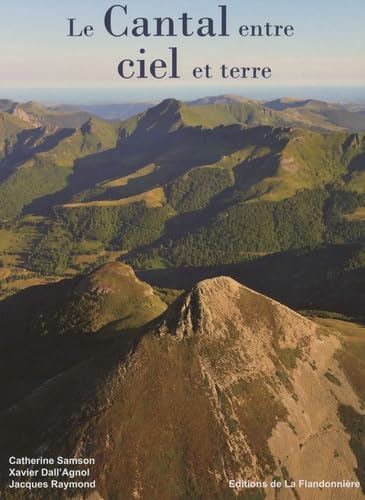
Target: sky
[{"x": 327, "y": 49}]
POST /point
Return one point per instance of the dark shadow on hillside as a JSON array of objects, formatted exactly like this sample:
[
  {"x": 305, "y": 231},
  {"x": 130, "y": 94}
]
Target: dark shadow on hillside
[
  {"x": 279, "y": 105},
  {"x": 187, "y": 148},
  {"x": 88, "y": 171},
  {"x": 30, "y": 357},
  {"x": 175, "y": 152},
  {"x": 357, "y": 164},
  {"x": 31, "y": 142},
  {"x": 60, "y": 400},
  {"x": 315, "y": 279}
]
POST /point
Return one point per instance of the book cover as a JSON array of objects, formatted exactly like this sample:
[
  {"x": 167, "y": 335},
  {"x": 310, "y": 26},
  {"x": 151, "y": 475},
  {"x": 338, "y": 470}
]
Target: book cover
[{"x": 182, "y": 250}]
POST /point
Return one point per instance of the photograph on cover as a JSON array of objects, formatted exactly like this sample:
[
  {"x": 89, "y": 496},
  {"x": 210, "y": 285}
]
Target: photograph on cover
[{"x": 182, "y": 250}]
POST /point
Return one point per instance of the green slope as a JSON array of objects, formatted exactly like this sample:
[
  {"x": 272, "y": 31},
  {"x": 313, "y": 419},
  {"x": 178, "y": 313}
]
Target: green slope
[
  {"x": 10, "y": 127},
  {"x": 40, "y": 163},
  {"x": 324, "y": 115},
  {"x": 46, "y": 329},
  {"x": 39, "y": 115}
]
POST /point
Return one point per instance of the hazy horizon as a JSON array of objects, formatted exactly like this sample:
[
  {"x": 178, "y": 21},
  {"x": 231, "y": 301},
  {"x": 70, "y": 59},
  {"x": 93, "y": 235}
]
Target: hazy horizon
[{"x": 105, "y": 96}]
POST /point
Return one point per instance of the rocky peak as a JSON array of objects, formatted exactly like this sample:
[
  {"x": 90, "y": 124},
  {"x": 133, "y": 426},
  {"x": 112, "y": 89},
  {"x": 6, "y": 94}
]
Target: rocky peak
[
  {"x": 353, "y": 141},
  {"x": 107, "y": 279},
  {"x": 19, "y": 112},
  {"x": 215, "y": 307}
]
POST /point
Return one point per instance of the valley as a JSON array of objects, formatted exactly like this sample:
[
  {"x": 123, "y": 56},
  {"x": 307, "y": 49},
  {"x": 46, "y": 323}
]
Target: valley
[{"x": 216, "y": 184}]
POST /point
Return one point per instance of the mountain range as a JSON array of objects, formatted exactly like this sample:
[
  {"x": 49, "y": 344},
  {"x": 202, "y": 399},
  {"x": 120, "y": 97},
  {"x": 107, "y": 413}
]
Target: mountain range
[
  {"x": 223, "y": 181},
  {"x": 233, "y": 108}
]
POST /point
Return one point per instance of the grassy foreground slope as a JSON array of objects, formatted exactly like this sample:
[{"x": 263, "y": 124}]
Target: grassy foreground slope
[
  {"x": 46, "y": 329},
  {"x": 226, "y": 383}
]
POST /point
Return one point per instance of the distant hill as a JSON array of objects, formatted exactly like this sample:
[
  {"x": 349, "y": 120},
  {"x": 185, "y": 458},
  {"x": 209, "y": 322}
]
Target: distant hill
[
  {"x": 39, "y": 115},
  {"x": 312, "y": 114},
  {"x": 230, "y": 109},
  {"x": 226, "y": 384},
  {"x": 208, "y": 112},
  {"x": 317, "y": 111}
]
